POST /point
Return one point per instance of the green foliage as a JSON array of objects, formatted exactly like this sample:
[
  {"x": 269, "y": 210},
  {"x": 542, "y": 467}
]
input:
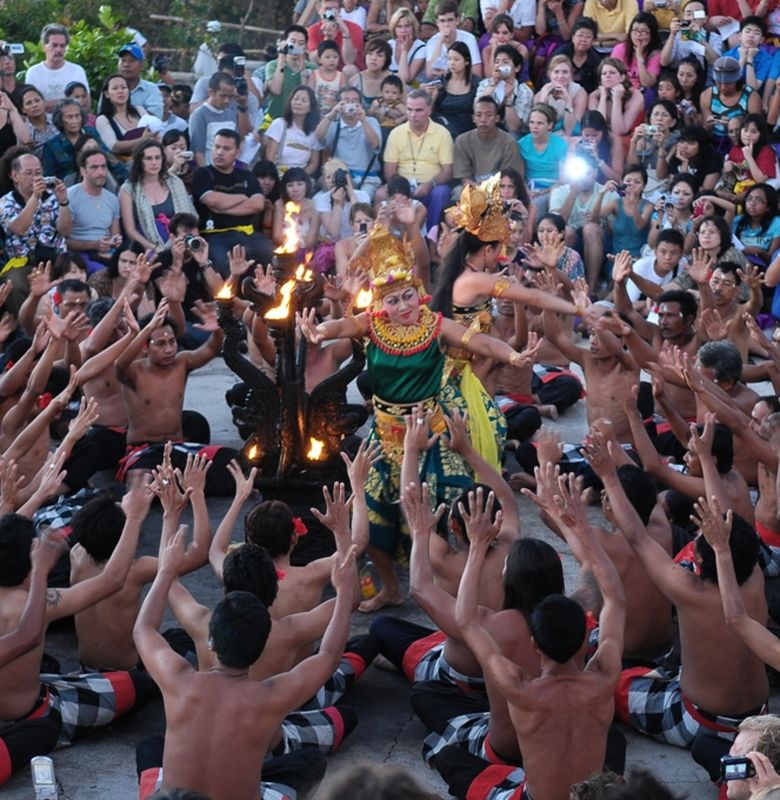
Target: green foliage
[{"x": 92, "y": 45}]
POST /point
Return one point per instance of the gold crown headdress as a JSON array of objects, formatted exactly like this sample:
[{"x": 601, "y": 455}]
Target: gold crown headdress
[
  {"x": 391, "y": 262},
  {"x": 480, "y": 211}
]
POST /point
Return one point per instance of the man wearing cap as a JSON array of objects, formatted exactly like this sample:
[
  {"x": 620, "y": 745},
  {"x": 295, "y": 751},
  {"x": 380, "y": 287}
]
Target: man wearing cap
[
  {"x": 728, "y": 97},
  {"x": 54, "y": 73},
  {"x": 142, "y": 92}
]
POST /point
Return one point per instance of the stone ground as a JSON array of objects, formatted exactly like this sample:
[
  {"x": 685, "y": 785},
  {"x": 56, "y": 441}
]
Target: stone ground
[{"x": 102, "y": 767}]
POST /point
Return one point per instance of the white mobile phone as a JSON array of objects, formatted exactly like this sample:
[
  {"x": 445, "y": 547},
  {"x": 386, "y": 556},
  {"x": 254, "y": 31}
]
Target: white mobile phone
[{"x": 44, "y": 782}]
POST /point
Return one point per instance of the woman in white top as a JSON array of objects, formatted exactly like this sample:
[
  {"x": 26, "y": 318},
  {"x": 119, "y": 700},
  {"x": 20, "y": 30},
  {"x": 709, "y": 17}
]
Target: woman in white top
[
  {"x": 408, "y": 50},
  {"x": 567, "y": 98},
  {"x": 290, "y": 140},
  {"x": 117, "y": 121}
]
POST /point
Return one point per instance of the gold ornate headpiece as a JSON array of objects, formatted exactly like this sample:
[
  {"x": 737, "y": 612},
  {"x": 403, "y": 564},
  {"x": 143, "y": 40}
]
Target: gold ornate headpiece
[
  {"x": 480, "y": 211},
  {"x": 391, "y": 262}
]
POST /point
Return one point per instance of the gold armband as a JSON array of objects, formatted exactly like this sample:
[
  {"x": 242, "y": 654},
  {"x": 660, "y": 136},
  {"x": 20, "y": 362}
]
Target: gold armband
[
  {"x": 500, "y": 286},
  {"x": 468, "y": 335}
]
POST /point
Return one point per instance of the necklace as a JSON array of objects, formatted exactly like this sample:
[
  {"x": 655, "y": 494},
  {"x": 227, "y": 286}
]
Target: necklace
[{"x": 398, "y": 340}]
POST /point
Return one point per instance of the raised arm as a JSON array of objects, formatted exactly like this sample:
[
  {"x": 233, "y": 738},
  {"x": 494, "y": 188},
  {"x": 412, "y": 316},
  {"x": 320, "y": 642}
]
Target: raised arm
[
  {"x": 717, "y": 531},
  {"x": 358, "y": 469},
  {"x": 135, "y": 348},
  {"x": 461, "y": 443},
  {"x": 221, "y": 541}
]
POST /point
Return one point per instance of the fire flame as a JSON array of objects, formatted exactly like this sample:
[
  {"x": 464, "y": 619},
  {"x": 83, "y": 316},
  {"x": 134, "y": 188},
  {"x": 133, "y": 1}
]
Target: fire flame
[
  {"x": 225, "y": 293},
  {"x": 304, "y": 274},
  {"x": 282, "y": 311},
  {"x": 363, "y": 298},
  {"x": 291, "y": 243},
  {"x": 253, "y": 452},
  {"x": 316, "y": 449}
]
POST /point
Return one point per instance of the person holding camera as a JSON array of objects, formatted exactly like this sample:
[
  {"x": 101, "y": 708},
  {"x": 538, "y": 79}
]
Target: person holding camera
[
  {"x": 95, "y": 212},
  {"x": 347, "y": 35},
  {"x": 217, "y": 114},
  {"x": 689, "y": 37},
  {"x": 289, "y": 70},
  {"x": 35, "y": 218},
  {"x": 566, "y": 97},
  {"x": 514, "y": 98},
  {"x": 334, "y": 205},
  {"x": 231, "y": 59},
  {"x": 352, "y": 136}
]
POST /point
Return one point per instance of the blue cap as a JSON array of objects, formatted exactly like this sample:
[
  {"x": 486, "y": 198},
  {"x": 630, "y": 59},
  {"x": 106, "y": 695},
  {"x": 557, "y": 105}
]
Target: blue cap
[{"x": 134, "y": 50}]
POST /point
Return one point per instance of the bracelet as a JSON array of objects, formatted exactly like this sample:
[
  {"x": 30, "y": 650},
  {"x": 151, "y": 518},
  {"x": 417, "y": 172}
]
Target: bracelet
[
  {"x": 500, "y": 286},
  {"x": 242, "y": 109},
  {"x": 468, "y": 335},
  {"x": 749, "y": 64},
  {"x": 66, "y": 203}
]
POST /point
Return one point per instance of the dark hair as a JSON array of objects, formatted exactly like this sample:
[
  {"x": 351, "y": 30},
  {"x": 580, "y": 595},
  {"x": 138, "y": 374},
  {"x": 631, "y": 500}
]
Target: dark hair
[
  {"x": 399, "y": 185},
  {"x": 462, "y": 49},
  {"x": 296, "y": 29},
  {"x": 701, "y": 79},
  {"x": 533, "y": 571},
  {"x": 490, "y": 100},
  {"x": 26, "y": 89},
  {"x": 763, "y": 131},
  {"x": 513, "y": 53},
  {"x": 249, "y": 568},
  {"x": 137, "y": 164},
  {"x": 183, "y": 219},
  {"x": 328, "y": 44},
  {"x": 687, "y": 302},
  {"x": 594, "y": 787},
  {"x": 670, "y": 76},
  {"x": 231, "y": 49},
  {"x": 446, "y": 7},
  {"x": 766, "y": 219},
  {"x": 638, "y": 168},
  {"x": 238, "y": 629},
  {"x": 453, "y": 265},
  {"x": 744, "y": 545},
  {"x": 294, "y": 175},
  {"x": 670, "y": 107},
  {"x": 113, "y": 264},
  {"x": 271, "y": 525},
  {"x": 641, "y": 785},
  {"x": 62, "y": 262},
  {"x": 267, "y": 169},
  {"x": 671, "y": 236},
  {"x": 730, "y": 268},
  {"x": 365, "y": 208},
  {"x": 16, "y": 535},
  {"x": 585, "y": 22},
  {"x": 379, "y": 45},
  {"x": 84, "y": 155},
  {"x": 772, "y": 401},
  {"x": 105, "y": 106},
  {"x": 172, "y": 136},
  {"x": 685, "y": 177},
  {"x": 98, "y": 524},
  {"x": 724, "y": 231},
  {"x": 98, "y": 309},
  {"x": 556, "y": 219},
  {"x": 655, "y": 40},
  {"x": 392, "y": 80},
  {"x": 753, "y": 20},
  {"x": 228, "y": 133},
  {"x": 724, "y": 358},
  {"x": 72, "y": 285},
  {"x": 722, "y": 447},
  {"x": 312, "y": 118},
  {"x": 640, "y": 489},
  {"x": 558, "y": 627},
  {"x": 595, "y": 120},
  {"x": 73, "y": 85},
  {"x": 502, "y": 19},
  {"x": 56, "y": 117},
  {"x": 218, "y": 78},
  {"x": 521, "y": 189}
]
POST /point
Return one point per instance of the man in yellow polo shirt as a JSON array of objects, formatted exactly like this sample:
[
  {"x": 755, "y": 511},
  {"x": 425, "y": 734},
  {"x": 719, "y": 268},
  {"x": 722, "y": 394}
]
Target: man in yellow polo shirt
[{"x": 422, "y": 152}]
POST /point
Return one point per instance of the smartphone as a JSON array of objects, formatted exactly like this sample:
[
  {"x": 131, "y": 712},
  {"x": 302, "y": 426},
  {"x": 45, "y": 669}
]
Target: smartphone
[
  {"x": 700, "y": 14},
  {"x": 44, "y": 782},
  {"x": 363, "y": 227}
]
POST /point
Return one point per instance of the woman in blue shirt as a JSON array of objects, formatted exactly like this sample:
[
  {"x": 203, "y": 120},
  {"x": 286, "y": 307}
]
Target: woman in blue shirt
[
  {"x": 542, "y": 154},
  {"x": 759, "y": 227}
]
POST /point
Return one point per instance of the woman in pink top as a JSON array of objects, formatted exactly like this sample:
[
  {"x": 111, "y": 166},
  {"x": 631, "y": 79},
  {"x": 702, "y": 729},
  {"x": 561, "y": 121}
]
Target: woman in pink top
[{"x": 641, "y": 52}]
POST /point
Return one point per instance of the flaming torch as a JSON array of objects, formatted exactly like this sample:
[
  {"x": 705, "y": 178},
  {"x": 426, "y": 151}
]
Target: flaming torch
[{"x": 316, "y": 449}]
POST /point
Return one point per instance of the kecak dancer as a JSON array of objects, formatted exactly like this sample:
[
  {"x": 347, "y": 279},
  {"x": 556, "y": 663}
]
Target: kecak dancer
[{"x": 405, "y": 355}]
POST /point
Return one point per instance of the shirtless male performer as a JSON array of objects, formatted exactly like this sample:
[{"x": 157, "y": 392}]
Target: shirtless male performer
[
  {"x": 563, "y": 703},
  {"x": 720, "y": 681},
  {"x": 74, "y": 703},
  {"x": 153, "y": 387},
  {"x": 220, "y": 724}
]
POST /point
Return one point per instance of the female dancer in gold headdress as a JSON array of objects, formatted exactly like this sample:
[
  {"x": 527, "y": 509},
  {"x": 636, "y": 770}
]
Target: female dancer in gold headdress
[
  {"x": 405, "y": 344},
  {"x": 467, "y": 281}
]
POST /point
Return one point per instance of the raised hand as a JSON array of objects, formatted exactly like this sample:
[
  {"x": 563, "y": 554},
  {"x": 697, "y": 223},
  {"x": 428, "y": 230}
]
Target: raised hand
[
  {"x": 460, "y": 442},
  {"x": 207, "y": 314},
  {"x": 7, "y": 325},
  {"x": 39, "y": 279},
  {"x": 48, "y": 548},
  {"x": 700, "y": 265},
  {"x": 194, "y": 475},
  {"x": 6, "y": 287},
  {"x": 62, "y": 400},
  {"x": 307, "y": 321},
  {"x": 173, "y": 286},
  {"x": 572, "y": 510},
  {"x": 712, "y": 325},
  {"x": 481, "y": 528},
  {"x": 158, "y": 317},
  {"x": 336, "y": 516},
  {"x": 418, "y": 423},
  {"x": 752, "y": 276},
  {"x": 53, "y": 476},
  {"x": 358, "y": 468},
  {"x": 612, "y": 322},
  {"x": 549, "y": 446},
  {"x": 621, "y": 267},
  {"x": 414, "y": 504},
  {"x": 244, "y": 484},
  {"x": 708, "y": 517},
  {"x": 173, "y": 554},
  {"x": 264, "y": 280},
  {"x": 237, "y": 261},
  {"x": 598, "y": 452},
  {"x": 88, "y": 415}
]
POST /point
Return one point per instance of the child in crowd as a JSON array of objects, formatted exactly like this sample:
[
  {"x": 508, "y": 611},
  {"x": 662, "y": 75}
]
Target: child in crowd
[
  {"x": 327, "y": 80},
  {"x": 295, "y": 191},
  {"x": 389, "y": 108}
]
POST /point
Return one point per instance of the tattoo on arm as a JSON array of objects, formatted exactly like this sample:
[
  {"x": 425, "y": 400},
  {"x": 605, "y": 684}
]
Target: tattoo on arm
[{"x": 53, "y": 597}]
